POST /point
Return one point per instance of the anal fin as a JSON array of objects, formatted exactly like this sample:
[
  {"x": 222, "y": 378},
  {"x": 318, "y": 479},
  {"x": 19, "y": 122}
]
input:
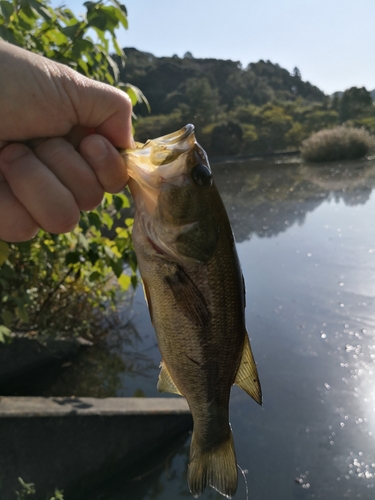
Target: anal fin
[
  {"x": 247, "y": 375},
  {"x": 165, "y": 382}
]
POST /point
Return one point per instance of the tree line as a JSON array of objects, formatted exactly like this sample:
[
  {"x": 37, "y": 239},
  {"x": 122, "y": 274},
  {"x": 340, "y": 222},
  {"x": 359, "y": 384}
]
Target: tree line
[{"x": 238, "y": 111}]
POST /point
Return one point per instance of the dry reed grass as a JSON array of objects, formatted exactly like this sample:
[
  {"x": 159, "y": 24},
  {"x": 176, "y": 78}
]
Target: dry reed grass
[{"x": 339, "y": 143}]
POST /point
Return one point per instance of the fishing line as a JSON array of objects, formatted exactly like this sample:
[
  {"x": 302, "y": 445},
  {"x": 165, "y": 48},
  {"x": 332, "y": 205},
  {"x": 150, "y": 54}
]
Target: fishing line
[{"x": 244, "y": 472}]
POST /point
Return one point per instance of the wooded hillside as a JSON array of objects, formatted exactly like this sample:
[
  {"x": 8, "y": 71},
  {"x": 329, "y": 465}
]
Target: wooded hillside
[{"x": 236, "y": 110}]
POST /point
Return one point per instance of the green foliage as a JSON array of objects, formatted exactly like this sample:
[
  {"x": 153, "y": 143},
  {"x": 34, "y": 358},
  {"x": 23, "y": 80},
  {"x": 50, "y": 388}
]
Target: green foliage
[
  {"x": 202, "y": 104},
  {"x": 167, "y": 81},
  {"x": 339, "y": 143},
  {"x": 65, "y": 284},
  {"x": 354, "y": 102},
  {"x": 226, "y": 138},
  {"x": 59, "y": 35},
  {"x": 158, "y": 125},
  {"x": 4, "y": 334},
  {"x": 260, "y": 109},
  {"x": 28, "y": 489}
]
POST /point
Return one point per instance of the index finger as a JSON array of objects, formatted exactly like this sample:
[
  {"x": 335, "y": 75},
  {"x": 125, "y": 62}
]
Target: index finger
[{"x": 104, "y": 108}]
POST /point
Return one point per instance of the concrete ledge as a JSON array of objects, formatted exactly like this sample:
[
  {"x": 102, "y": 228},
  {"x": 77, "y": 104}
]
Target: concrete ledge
[
  {"x": 77, "y": 444},
  {"x": 23, "y": 407}
]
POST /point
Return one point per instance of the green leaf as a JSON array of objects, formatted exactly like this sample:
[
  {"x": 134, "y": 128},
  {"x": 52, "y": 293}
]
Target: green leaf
[
  {"x": 93, "y": 255},
  {"x": 118, "y": 49},
  {"x": 132, "y": 94},
  {"x": 21, "y": 313},
  {"x": 8, "y": 35},
  {"x": 121, "y": 13},
  {"x": 108, "y": 198},
  {"x": 118, "y": 201},
  {"x": 29, "y": 488},
  {"x": 83, "y": 241},
  {"x": 117, "y": 267},
  {"x": 58, "y": 495},
  {"x": 124, "y": 281},
  {"x": 122, "y": 244},
  {"x": 80, "y": 47},
  {"x": 72, "y": 258},
  {"x": 121, "y": 6},
  {"x": 72, "y": 31},
  {"x": 107, "y": 219},
  {"x": 135, "y": 94},
  {"x": 6, "y": 9},
  {"x": 95, "y": 276},
  {"x": 4, "y": 334},
  {"x": 134, "y": 280},
  {"x": 4, "y": 252},
  {"x": 95, "y": 220},
  {"x": 84, "y": 67},
  {"x": 7, "y": 317},
  {"x": 102, "y": 17}
]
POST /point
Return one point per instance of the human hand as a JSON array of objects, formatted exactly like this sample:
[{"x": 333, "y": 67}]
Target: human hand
[{"x": 58, "y": 137}]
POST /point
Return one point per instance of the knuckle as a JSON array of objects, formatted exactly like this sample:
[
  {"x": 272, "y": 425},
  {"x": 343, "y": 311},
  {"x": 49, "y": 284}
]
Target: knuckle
[
  {"x": 12, "y": 155},
  {"x": 53, "y": 150}
]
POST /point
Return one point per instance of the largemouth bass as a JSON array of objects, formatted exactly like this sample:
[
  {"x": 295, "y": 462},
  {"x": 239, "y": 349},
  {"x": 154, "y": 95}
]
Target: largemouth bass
[{"x": 196, "y": 296}]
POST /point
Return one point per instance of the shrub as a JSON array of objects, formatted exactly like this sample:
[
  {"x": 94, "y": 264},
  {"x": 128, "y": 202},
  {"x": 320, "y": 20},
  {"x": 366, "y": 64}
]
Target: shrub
[
  {"x": 339, "y": 143},
  {"x": 65, "y": 284}
]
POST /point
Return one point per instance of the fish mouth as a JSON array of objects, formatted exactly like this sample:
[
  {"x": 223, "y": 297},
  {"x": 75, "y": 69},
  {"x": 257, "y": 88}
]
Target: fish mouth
[
  {"x": 157, "y": 164},
  {"x": 157, "y": 153}
]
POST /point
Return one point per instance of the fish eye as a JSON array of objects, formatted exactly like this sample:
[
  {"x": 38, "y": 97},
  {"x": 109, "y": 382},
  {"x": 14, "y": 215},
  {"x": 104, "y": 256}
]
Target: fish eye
[{"x": 201, "y": 175}]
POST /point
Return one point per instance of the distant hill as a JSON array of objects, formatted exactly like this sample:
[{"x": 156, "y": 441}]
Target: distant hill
[
  {"x": 237, "y": 111},
  {"x": 163, "y": 80},
  {"x": 340, "y": 93}
]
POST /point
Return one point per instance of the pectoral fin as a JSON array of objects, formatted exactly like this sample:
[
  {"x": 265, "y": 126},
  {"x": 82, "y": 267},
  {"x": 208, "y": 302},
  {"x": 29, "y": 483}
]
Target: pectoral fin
[
  {"x": 188, "y": 297},
  {"x": 247, "y": 375},
  {"x": 165, "y": 382}
]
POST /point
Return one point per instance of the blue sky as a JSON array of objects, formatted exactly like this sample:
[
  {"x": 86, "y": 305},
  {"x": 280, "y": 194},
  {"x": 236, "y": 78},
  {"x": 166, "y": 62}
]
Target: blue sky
[{"x": 332, "y": 42}]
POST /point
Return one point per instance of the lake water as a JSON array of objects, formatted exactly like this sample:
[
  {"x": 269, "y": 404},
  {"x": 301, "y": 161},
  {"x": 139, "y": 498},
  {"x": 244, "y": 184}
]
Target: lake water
[{"x": 306, "y": 241}]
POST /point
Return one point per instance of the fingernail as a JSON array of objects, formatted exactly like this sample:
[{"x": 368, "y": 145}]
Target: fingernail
[
  {"x": 13, "y": 152},
  {"x": 96, "y": 149},
  {"x": 132, "y": 143}
]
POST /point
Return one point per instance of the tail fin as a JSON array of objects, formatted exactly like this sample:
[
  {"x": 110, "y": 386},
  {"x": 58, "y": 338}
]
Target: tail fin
[{"x": 216, "y": 468}]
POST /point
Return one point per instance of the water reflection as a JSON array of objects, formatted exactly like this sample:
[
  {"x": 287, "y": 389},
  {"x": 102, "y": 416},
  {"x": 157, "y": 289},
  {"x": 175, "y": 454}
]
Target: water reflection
[
  {"x": 306, "y": 242},
  {"x": 99, "y": 373},
  {"x": 267, "y": 198},
  {"x": 107, "y": 369},
  {"x": 145, "y": 480}
]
